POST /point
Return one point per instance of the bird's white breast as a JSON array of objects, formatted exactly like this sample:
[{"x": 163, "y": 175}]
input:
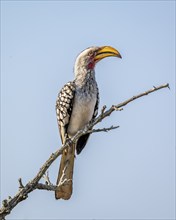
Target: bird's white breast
[{"x": 82, "y": 112}]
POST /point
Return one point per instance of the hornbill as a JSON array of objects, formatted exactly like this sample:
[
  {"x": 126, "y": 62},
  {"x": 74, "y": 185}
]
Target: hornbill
[{"x": 76, "y": 105}]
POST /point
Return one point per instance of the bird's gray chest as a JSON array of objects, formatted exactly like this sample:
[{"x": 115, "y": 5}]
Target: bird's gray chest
[{"x": 83, "y": 109}]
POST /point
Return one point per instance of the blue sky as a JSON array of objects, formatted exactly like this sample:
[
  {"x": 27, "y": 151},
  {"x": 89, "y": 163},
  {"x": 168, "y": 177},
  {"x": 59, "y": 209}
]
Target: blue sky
[{"x": 128, "y": 173}]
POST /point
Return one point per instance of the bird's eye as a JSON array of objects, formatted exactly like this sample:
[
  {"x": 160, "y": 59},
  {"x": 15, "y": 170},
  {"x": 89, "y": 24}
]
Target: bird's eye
[{"x": 90, "y": 53}]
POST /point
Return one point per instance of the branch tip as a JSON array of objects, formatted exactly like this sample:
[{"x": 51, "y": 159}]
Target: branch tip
[
  {"x": 103, "y": 109},
  {"x": 5, "y": 203},
  {"x": 9, "y": 198},
  {"x": 20, "y": 183},
  {"x": 168, "y": 86},
  {"x": 46, "y": 177}
]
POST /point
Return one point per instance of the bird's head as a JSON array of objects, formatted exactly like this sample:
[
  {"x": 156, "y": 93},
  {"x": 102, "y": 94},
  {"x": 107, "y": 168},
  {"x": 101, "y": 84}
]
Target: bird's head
[{"x": 88, "y": 58}]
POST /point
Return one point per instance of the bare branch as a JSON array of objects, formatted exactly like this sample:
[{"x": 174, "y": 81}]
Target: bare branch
[
  {"x": 103, "y": 109},
  {"x": 103, "y": 129},
  {"x": 20, "y": 183},
  {"x": 42, "y": 186},
  {"x": 46, "y": 177},
  {"x": 119, "y": 106},
  {"x": 22, "y": 194}
]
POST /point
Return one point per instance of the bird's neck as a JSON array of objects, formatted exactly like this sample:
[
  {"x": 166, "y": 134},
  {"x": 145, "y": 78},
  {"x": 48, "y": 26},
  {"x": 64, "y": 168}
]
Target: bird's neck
[{"x": 84, "y": 77}]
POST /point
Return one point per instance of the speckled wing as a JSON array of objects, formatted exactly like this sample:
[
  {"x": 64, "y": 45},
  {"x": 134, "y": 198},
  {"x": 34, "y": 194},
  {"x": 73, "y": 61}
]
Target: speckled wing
[{"x": 64, "y": 105}]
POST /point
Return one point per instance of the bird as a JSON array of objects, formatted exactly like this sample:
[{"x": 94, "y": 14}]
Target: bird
[{"x": 77, "y": 105}]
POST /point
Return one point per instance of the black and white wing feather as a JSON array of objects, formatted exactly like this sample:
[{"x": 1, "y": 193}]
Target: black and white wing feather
[{"x": 64, "y": 106}]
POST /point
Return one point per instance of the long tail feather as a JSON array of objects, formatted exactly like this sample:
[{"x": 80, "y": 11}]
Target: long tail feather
[{"x": 65, "y": 175}]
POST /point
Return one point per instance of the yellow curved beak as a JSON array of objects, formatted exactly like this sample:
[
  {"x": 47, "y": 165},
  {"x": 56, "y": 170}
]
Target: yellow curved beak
[{"x": 106, "y": 51}]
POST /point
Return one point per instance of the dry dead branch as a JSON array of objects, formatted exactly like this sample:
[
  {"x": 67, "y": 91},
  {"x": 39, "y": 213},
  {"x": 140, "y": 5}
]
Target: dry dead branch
[{"x": 24, "y": 190}]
